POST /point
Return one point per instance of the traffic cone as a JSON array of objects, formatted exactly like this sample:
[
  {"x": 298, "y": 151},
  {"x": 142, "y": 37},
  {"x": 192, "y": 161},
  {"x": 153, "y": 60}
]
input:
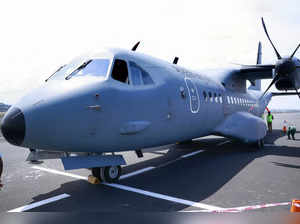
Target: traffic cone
[
  {"x": 93, "y": 180},
  {"x": 284, "y": 129},
  {"x": 295, "y": 206}
]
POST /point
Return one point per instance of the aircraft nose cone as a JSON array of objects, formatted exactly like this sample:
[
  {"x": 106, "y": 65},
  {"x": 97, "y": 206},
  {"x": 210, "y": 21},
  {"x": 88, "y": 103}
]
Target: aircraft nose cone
[{"x": 13, "y": 126}]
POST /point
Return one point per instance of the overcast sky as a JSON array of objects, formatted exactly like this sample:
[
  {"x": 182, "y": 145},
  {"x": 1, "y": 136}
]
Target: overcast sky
[{"x": 39, "y": 36}]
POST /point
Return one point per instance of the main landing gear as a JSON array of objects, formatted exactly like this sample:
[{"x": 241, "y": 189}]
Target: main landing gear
[
  {"x": 257, "y": 146},
  {"x": 107, "y": 174}
]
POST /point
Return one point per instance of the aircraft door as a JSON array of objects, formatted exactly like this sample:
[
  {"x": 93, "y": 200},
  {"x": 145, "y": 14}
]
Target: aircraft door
[{"x": 193, "y": 95}]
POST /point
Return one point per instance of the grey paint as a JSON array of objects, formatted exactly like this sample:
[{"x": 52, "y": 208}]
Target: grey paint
[{"x": 100, "y": 114}]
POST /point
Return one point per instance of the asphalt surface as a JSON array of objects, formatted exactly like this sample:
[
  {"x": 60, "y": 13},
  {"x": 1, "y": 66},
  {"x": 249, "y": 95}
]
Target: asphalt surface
[{"x": 224, "y": 175}]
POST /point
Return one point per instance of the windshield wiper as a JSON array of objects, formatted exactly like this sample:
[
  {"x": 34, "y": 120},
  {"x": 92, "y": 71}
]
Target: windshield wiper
[
  {"x": 78, "y": 69},
  {"x": 55, "y": 72}
]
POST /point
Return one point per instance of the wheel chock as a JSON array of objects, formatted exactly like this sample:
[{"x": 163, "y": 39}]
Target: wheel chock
[
  {"x": 93, "y": 180},
  {"x": 295, "y": 206}
]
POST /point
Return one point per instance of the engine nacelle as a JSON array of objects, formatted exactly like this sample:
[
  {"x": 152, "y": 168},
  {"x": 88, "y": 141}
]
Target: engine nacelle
[{"x": 284, "y": 84}]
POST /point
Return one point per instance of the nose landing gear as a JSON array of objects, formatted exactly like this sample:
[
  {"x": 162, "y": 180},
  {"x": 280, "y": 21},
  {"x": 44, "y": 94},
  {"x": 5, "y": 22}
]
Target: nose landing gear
[{"x": 109, "y": 174}]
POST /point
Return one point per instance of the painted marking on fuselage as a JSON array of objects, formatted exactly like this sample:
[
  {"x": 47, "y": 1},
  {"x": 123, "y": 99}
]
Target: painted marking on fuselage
[
  {"x": 193, "y": 94},
  {"x": 40, "y": 203}
]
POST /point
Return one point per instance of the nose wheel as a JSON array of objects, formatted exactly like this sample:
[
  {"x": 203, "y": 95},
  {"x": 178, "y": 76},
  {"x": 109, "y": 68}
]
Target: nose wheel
[{"x": 107, "y": 174}]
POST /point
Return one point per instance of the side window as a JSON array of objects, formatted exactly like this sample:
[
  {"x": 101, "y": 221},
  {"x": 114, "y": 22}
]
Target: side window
[
  {"x": 136, "y": 75},
  {"x": 210, "y": 96},
  {"x": 215, "y": 96},
  {"x": 120, "y": 71},
  {"x": 139, "y": 76},
  {"x": 205, "y": 96},
  {"x": 220, "y": 98},
  {"x": 146, "y": 78}
]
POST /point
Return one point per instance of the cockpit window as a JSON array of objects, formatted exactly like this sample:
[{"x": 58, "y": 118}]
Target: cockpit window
[
  {"x": 139, "y": 76},
  {"x": 120, "y": 71},
  {"x": 65, "y": 70},
  {"x": 92, "y": 67}
]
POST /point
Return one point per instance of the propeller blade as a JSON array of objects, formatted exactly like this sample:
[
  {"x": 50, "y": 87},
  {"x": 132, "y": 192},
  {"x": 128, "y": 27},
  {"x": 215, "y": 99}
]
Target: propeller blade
[
  {"x": 135, "y": 46},
  {"x": 297, "y": 92},
  {"x": 278, "y": 55},
  {"x": 295, "y": 51},
  {"x": 271, "y": 84}
]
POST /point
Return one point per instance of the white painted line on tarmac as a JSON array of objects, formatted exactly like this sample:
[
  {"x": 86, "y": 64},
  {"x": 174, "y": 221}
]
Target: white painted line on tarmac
[
  {"x": 241, "y": 209},
  {"x": 136, "y": 172},
  {"x": 136, "y": 190},
  {"x": 192, "y": 154},
  {"x": 223, "y": 143},
  {"x": 60, "y": 172},
  {"x": 164, "y": 197},
  {"x": 40, "y": 203}
]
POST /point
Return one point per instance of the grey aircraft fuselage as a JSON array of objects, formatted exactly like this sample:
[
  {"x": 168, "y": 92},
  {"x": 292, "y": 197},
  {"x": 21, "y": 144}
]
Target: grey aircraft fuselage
[{"x": 159, "y": 103}]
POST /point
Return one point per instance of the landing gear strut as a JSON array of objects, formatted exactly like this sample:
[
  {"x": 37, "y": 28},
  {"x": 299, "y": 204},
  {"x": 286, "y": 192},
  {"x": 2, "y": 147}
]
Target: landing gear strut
[
  {"x": 258, "y": 145},
  {"x": 107, "y": 174}
]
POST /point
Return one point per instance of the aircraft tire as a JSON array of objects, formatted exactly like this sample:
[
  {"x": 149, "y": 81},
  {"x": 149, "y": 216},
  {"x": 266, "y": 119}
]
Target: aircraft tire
[
  {"x": 110, "y": 174},
  {"x": 257, "y": 146}
]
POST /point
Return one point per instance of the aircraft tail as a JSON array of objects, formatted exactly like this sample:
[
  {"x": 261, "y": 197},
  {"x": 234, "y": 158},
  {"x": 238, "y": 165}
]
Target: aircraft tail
[{"x": 257, "y": 83}]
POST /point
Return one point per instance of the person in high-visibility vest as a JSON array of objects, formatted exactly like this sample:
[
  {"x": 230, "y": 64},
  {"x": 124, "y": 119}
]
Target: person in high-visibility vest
[{"x": 269, "y": 121}]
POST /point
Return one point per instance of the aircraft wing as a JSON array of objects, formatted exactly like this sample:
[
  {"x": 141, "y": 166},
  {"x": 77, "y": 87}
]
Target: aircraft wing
[
  {"x": 285, "y": 94},
  {"x": 243, "y": 126},
  {"x": 254, "y": 72}
]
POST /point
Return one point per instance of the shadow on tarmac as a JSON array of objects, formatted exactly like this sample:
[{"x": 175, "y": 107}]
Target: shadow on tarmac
[{"x": 195, "y": 178}]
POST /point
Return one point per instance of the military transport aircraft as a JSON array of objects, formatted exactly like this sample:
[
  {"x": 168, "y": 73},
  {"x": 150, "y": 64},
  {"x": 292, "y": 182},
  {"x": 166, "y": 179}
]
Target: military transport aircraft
[{"x": 122, "y": 100}]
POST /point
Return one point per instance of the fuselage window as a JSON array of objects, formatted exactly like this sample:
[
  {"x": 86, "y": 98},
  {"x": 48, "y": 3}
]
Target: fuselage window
[
  {"x": 120, "y": 71},
  {"x": 220, "y": 98},
  {"x": 205, "y": 96},
  {"x": 210, "y": 96},
  {"x": 216, "y": 98}
]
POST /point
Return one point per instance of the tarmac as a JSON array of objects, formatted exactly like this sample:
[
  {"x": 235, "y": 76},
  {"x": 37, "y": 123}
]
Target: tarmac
[{"x": 209, "y": 175}]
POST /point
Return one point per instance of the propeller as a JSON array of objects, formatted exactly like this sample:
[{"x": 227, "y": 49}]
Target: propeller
[
  {"x": 264, "y": 25},
  {"x": 284, "y": 66},
  {"x": 297, "y": 92}
]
